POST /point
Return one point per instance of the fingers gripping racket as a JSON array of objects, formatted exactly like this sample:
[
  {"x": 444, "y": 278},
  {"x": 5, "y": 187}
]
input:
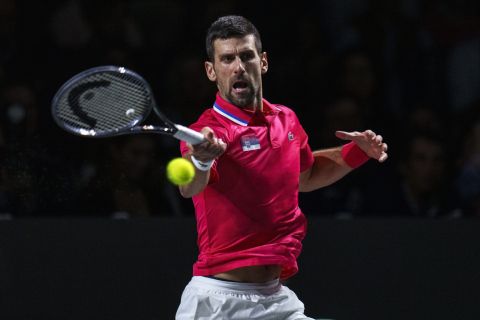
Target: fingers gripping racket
[{"x": 108, "y": 101}]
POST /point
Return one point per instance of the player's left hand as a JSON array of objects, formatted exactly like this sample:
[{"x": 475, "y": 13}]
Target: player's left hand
[{"x": 370, "y": 142}]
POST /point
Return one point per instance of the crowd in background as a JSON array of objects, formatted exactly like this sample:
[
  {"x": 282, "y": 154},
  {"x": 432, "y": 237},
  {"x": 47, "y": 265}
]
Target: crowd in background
[{"x": 409, "y": 70}]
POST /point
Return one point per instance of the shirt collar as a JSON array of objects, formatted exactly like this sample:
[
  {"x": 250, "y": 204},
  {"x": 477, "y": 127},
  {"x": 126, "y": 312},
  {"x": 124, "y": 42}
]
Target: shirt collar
[{"x": 240, "y": 116}]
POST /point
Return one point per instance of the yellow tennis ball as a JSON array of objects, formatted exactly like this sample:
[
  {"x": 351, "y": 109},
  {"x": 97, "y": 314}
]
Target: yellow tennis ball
[{"x": 180, "y": 171}]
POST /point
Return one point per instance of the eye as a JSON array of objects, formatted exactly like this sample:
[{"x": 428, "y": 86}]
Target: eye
[
  {"x": 247, "y": 56},
  {"x": 227, "y": 58}
]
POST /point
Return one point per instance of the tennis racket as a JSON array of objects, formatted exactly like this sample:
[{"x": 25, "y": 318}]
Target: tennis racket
[{"x": 109, "y": 101}]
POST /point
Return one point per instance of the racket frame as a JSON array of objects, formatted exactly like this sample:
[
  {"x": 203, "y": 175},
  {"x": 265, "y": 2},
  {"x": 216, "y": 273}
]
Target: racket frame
[{"x": 134, "y": 127}]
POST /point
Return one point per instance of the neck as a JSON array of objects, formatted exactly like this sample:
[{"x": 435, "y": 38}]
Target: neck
[
  {"x": 258, "y": 102},
  {"x": 256, "y": 105}
]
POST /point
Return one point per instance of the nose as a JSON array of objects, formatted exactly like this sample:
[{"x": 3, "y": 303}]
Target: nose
[{"x": 239, "y": 65}]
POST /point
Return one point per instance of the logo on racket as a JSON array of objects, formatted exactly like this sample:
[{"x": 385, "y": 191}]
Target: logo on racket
[{"x": 74, "y": 100}]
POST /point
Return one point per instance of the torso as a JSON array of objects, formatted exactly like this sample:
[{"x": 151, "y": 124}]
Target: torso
[
  {"x": 263, "y": 231},
  {"x": 252, "y": 274}
]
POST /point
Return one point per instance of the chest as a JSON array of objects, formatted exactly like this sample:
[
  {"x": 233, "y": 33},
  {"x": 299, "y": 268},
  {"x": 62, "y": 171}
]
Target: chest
[{"x": 264, "y": 146}]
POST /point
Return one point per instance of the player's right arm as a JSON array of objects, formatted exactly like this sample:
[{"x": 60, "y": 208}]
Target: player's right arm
[{"x": 206, "y": 151}]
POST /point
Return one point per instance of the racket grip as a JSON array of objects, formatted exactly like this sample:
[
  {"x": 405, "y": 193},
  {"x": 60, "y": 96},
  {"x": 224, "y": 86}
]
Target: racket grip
[{"x": 188, "y": 135}]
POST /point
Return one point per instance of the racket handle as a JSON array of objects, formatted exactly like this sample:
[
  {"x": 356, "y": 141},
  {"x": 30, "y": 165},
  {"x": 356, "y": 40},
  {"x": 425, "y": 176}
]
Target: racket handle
[{"x": 188, "y": 135}]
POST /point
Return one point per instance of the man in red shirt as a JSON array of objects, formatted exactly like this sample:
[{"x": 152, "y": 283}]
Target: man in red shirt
[{"x": 255, "y": 160}]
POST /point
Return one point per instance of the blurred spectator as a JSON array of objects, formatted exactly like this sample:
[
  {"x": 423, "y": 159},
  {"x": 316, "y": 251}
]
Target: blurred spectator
[
  {"x": 19, "y": 124},
  {"x": 394, "y": 40},
  {"x": 20, "y": 196},
  {"x": 69, "y": 26},
  {"x": 32, "y": 172},
  {"x": 20, "y": 115},
  {"x": 454, "y": 27},
  {"x": 425, "y": 118},
  {"x": 343, "y": 113},
  {"x": 113, "y": 24},
  {"x": 344, "y": 197},
  {"x": 355, "y": 75},
  {"x": 188, "y": 88},
  {"x": 86, "y": 33},
  {"x": 351, "y": 65},
  {"x": 8, "y": 30},
  {"x": 336, "y": 18},
  {"x": 5, "y": 208},
  {"x": 423, "y": 188},
  {"x": 129, "y": 182},
  {"x": 468, "y": 180}
]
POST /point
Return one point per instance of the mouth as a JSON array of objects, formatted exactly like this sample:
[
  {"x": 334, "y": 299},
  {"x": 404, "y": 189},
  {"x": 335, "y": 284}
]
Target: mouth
[{"x": 240, "y": 86}]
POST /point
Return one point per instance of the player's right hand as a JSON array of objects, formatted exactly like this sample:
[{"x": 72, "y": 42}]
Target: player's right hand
[{"x": 210, "y": 149}]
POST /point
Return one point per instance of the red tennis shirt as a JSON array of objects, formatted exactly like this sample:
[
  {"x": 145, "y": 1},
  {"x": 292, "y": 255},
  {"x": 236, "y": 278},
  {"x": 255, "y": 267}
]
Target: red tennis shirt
[{"x": 248, "y": 214}]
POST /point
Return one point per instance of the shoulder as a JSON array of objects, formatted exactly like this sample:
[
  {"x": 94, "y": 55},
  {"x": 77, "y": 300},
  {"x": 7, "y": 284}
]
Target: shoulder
[
  {"x": 207, "y": 116},
  {"x": 209, "y": 119},
  {"x": 206, "y": 119},
  {"x": 287, "y": 112},
  {"x": 283, "y": 109},
  {"x": 289, "y": 116}
]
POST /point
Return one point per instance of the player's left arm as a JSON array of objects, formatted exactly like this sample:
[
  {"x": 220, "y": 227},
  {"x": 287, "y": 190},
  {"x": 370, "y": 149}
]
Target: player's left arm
[{"x": 332, "y": 164}]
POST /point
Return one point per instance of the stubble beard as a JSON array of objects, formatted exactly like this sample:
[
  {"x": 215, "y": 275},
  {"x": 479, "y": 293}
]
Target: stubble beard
[{"x": 245, "y": 100}]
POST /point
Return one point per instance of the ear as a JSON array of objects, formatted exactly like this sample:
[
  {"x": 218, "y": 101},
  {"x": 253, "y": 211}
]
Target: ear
[
  {"x": 212, "y": 76},
  {"x": 264, "y": 62}
]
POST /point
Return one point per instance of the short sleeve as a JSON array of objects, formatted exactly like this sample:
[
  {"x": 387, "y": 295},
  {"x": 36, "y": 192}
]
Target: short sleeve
[{"x": 306, "y": 155}]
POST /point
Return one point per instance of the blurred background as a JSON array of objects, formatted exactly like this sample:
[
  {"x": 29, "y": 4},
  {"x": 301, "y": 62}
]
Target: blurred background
[
  {"x": 409, "y": 70},
  {"x": 406, "y": 229}
]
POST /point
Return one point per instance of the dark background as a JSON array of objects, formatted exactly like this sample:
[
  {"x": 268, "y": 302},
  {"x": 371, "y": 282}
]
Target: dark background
[
  {"x": 87, "y": 226},
  {"x": 409, "y": 70}
]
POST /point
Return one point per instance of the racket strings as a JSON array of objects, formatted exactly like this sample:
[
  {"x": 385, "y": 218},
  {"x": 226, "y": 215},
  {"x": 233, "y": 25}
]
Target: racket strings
[
  {"x": 110, "y": 104},
  {"x": 104, "y": 102}
]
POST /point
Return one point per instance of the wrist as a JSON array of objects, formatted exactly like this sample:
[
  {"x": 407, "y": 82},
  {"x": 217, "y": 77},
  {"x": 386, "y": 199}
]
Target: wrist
[
  {"x": 353, "y": 156},
  {"x": 201, "y": 165}
]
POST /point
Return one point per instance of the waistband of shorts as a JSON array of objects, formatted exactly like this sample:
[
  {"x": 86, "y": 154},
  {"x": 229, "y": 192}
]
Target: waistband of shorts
[{"x": 240, "y": 286}]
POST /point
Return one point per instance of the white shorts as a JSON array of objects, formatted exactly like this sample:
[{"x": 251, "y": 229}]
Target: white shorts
[{"x": 211, "y": 299}]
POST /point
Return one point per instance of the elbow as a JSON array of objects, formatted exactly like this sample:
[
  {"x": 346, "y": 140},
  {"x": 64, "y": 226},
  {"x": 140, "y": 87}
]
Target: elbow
[
  {"x": 308, "y": 188},
  {"x": 304, "y": 183},
  {"x": 189, "y": 190},
  {"x": 185, "y": 193},
  {"x": 303, "y": 188},
  {"x": 195, "y": 186}
]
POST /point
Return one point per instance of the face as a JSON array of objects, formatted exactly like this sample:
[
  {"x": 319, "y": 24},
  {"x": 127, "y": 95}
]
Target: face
[{"x": 237, "y": 69}]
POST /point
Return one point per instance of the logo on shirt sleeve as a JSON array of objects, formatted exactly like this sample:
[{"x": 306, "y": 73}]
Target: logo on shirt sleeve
[{"x": 250, "y": 142}]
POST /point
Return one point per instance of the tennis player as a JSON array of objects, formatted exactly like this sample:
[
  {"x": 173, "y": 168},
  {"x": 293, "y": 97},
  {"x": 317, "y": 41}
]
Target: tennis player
[{"x": 248, "y": 174}]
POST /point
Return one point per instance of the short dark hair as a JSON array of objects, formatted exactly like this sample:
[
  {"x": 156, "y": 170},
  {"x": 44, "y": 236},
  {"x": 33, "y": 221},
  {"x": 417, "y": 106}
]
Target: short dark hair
[{"x": 231, "y": 27}]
